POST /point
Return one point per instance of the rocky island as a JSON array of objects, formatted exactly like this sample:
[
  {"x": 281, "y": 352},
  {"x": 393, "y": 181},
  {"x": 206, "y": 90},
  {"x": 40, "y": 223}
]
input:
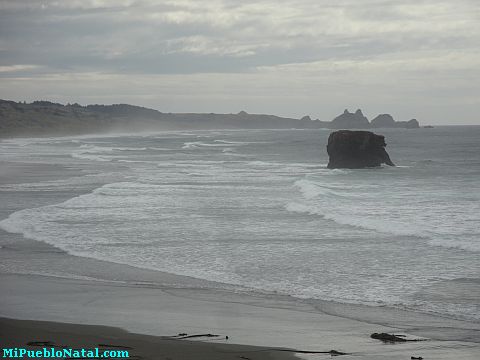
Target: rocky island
[{"x": 356, "y": 149}]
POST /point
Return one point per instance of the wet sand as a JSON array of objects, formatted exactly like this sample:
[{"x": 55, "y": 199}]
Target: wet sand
[
  {"x": 35, "y": 335},
  {"x": 164, "y": 312}
]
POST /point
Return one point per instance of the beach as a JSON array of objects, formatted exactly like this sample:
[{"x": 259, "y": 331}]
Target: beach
[
  {"x": 160, "y": 313},
  {"x": 138, "y": 346},
  {"x": 55, "y": 291}
]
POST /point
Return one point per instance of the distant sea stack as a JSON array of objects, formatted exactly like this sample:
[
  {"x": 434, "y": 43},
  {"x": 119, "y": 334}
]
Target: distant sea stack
[
  {"x": 356, "y": 149},
  {"x": 350, "y": 120},
  {"x": 357, "y": 120},
  {"x": 411, "y": 124},
  {"x": 383, "y": 120}
]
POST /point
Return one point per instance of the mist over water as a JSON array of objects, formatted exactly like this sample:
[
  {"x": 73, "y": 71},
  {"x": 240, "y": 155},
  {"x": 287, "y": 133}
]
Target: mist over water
[{"x": 260, "y": 209}]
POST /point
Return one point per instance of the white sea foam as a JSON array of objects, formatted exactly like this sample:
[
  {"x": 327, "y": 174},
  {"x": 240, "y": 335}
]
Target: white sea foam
[
  {"x": 71, "y": 183},
  {"x": 359, "y": 206},
  {"x": 91, "y": 152},
  {"x": 457, "y": 243},
  {"x": 129, "y": 148},
  {"x": 350, "y": 219},
  {"x": 160, "y": 149},
  {"x": 189, "y": 145},
  {"x": 232, "y": 142},
  {"x": 214, "y": 144}
]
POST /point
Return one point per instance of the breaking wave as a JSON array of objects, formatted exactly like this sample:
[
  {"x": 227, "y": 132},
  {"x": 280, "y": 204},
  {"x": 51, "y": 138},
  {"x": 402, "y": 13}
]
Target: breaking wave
[{"x": 385, "y": 210}]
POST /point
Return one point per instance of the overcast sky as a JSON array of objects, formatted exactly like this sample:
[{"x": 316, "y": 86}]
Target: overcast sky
[{"x": 413, "y": 59}]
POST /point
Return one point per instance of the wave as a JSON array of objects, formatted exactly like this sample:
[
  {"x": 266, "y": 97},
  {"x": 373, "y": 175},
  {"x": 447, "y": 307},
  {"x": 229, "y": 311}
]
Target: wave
[
  {"x": 310, "y": 189},
  {"x": 216, "y": 143},
  {"x": 87, "y": 156},
  {"x": 129, "y": 148},
  {"x": 100, "y": 153},
  {"x": 189, "y": 145},
  {"x": 160, "y": 149},
  {"x": 456, "y": 243},
  {"x": 389, "y": 211},
  {"x": 90, "y": 152},
  {"x": 232, "y": 142},
  {"x": 196, "y": 144},
  {"x": 349, "y": 219},
  {"x": 76, "y": 182}
]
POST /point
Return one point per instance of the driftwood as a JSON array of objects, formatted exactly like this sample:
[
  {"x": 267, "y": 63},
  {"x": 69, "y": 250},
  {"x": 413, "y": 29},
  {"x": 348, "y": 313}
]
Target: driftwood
[
  {"x": 392, "y": 337},
  {"x": 331, "y": 352},
  {"x": 185, "y": 336}
]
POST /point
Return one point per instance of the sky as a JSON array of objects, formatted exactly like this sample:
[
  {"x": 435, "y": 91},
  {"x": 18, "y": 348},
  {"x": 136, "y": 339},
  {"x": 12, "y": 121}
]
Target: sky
[{"x": 412, "y": 59}]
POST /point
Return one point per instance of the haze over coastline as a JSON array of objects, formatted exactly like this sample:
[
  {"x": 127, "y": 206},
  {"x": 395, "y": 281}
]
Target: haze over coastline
[{"x": 44, "y": 118}]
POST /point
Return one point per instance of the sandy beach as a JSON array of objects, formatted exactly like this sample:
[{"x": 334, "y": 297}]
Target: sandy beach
[
  {"x": 160, "y": 313},
  {"x": 21, "y": 334}
]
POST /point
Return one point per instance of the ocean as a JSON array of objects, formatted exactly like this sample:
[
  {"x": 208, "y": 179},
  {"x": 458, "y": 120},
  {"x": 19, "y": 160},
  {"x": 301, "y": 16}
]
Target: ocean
[{"x": 257, "y": 210}]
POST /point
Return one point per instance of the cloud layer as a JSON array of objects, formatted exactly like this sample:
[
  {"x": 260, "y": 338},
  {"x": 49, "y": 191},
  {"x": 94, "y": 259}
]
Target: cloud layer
[{"x": 411, "y": 58}]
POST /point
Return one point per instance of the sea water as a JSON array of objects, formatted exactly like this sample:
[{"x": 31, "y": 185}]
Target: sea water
[{"x": 259, "y": 209}]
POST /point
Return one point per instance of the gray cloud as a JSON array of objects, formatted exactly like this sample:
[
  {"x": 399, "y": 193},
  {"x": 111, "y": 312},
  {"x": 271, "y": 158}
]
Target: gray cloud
[{"x": 320, "y": 55}]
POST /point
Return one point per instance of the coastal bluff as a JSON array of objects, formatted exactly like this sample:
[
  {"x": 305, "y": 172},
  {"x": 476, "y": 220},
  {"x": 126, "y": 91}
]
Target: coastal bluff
[{"x": 356, "y": 150}]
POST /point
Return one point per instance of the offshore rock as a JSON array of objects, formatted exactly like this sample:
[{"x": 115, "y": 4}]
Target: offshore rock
[
  {"x": 383, "y": 120},
  {"x": 349, "y": 120},
  {"x": 356, "y": 149}
]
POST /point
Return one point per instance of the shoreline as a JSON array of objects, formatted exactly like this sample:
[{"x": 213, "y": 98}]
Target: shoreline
[
  {"x": 102, "y": 272},
  {"x": 246, "y": 320}
]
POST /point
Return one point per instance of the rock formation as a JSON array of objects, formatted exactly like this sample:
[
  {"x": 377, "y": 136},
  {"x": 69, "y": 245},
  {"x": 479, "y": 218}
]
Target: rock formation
[
  {"x": 411, "y": 124},
  {"x": 383, "y": 120},
  {"x": 350, "y": 120},
  {"x": 357, "y": 120},
  {"x": 356, "y": 149}
]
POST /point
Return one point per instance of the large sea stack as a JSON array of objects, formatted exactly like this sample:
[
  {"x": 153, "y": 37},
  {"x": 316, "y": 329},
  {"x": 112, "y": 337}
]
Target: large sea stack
[{"x": 356, "y": 150}]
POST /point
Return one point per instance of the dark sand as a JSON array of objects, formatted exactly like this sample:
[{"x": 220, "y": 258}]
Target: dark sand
[
  {"x": 162, "y": 312},
  {"x": 17, "y": 333}
]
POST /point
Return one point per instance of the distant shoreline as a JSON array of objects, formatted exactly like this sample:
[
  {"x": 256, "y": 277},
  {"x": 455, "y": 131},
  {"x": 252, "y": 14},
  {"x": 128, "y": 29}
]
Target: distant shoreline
[{"x": 44, "y": 118}]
